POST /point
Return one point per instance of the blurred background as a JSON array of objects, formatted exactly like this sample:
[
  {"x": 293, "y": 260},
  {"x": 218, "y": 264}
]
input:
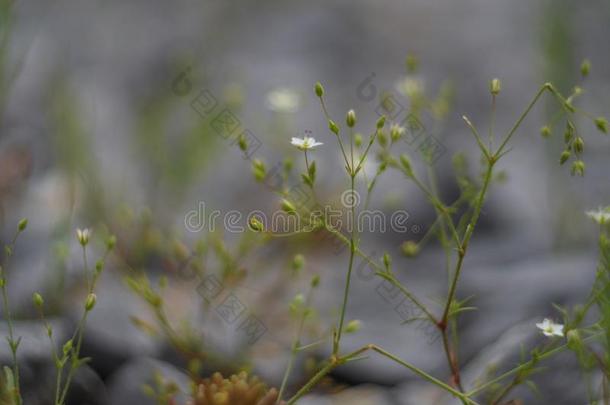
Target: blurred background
[{"x": 106, "y": 122}]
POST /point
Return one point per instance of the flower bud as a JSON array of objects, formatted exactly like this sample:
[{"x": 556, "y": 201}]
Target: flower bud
[
  {"x": 255, "y": 224},
  {"x": 574, "y": 340},
  {"x": 111, "y": 242},
  {"x": 585, "y": 68},
  {"x": 258, "y": 170},
  {"x": 23, "y": 224},
  {"x": 83, "y": 236},
  {"x": 410, "y": 248},
  {"x": 353, "y": 326},
  {"x": 579, "y": 144},
  {"x": 67, "y": 347},
  {"x": 382, "y": 138},
  {"x": 288, "y": 207},
  {"x": 242, "y": 143},
  {"x": 333, "y": 127},
  {"x": 396, "y": 132},
  {"x": 545, "y": 131},
  {"x": 315, "y": 281},
  {"x": 381, "y": 122},
  {"x": 90, "y": 302},
  {"x": 570, "y": 130},
  {"x": 297, "y": 303},
  {"x": 350, "y": 119},
  {"x": 298, "y": 262},
  {"x": 565, "y": 155},
  {"x": 412, "y": 63},
  {"x": 495, "y": 86},
  {"x": 387, "y": 261},
  {"x": 578, "y": 168},
  {"x": 319, "y": 89},
  {"x": 37, "y": 299},
  {"x": 358, "y": 140},
  {"x": 602, "y": 124},
  {"x": 99, "y": 266}
]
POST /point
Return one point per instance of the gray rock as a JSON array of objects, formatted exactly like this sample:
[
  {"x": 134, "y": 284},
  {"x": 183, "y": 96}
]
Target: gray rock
[{"x": 125, "y": 386}]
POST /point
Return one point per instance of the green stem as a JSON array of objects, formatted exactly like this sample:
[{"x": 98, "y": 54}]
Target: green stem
[
  {"x": 9, "y": 320},
  {"x": 352, "y": 251},
  {"x": 296, "y": 346}
]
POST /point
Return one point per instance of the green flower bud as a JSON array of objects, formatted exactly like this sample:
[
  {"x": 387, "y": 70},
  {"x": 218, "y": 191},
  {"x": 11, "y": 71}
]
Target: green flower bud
[
  {"x": 111, "y": 242},
  {"x": 495, "y": 86},
  {"x": 387, "y": 261},
  {"x": 255, "y": 224},
  {"x": 358, "y": 140},
  {"x": 315, "y": 281},
  {"x": 242, "y": 143},
  {"x": 412, "y": 63},
  {"x": 298, "y": 262},
  {"x": 565, "y": 155},
  {"x": 23, "y": 224},
  {"x": 319, "y": 89},
  {"x": 381, "y": 122},
  {"x": 602, "y": 124},
  {"x": 90, "y": 302},
  {"x": 2, "y": 282},
  {"x": 574, "y": 339},
  {"x": 578, "y": 168},
  {"x": 288, "y": 207},
  {"x": 410, "y": 248},
  {"x": 67, "y": 347},
  {"x": 258, "y": 170},
  {"x": 297, "y": 303},
  {"x": 353, "y": 326},
  {"x": 350, "y": 119},
  {"x": 545, "y": 131},
  {"x": 579, "y": 144},
  {"x": 382, "y": 138},
  {"x": 99, "y": 266},
  {"x": 585, "y": 68},
  {"x": 333, "y": 127},
  {"x": 37, "y": 299}
]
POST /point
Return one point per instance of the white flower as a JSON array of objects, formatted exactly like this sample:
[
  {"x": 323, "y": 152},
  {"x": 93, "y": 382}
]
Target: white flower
[
  {"x": 83, "y": 236},
  {"x": 601, "y": 216},
  {"x": 550, "y": 328},
  {"x": 410, "y": 86},
  {"x": 305, "y": 143},
  {"x": 283, "y": 99}
]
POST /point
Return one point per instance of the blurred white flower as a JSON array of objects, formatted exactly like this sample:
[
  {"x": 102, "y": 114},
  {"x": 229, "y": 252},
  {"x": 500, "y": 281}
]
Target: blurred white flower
[
  {"x": 601, "y": 216},
  {"x": 83, "y": 236},
  {"x": 283, "y": 100},
  {"x": 550, "y": 328},
  {"x": 305, "y": 143},
  {"x": 410, "y": 86}
]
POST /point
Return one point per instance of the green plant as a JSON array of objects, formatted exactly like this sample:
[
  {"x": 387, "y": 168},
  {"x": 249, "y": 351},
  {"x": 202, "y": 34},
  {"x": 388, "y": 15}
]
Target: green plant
[
  {"x": 455, "y": 226},
  {"x": 68, "y": 360}
]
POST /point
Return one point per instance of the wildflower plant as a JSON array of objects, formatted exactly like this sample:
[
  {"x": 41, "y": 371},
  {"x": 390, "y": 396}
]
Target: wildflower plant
[
  {"x": 454, "y": 227},
  {"x": 66, "y": 355}
]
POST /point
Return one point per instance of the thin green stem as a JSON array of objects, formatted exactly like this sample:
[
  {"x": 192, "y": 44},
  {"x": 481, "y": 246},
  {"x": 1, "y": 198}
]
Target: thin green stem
[
  {"x": 545, "y": 87},
  {"x": 352, "y": 251},
  {"x": 296, "y": 345},
  {"x": 13, "y": 344}
]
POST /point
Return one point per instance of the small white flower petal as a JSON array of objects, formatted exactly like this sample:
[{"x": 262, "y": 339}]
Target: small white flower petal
[{"x": 550, "y": 328}]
